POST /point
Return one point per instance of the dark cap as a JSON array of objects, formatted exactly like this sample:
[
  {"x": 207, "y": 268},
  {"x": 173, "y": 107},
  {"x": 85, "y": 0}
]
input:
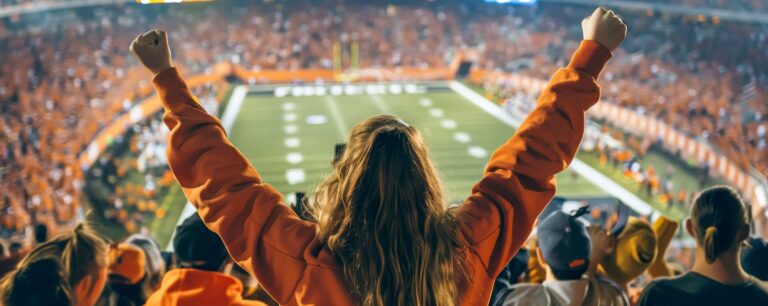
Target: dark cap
[
  {"x": 198, "y": 247},
  {"x": 565, "y": 245},
  {"x": 753, "y": 258}
]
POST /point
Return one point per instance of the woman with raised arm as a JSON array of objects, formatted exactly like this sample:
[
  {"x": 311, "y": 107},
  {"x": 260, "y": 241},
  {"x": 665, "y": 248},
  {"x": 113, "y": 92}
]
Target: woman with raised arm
[
  {"x": 720, "y": 224},
  {"x": 384, "y": 234}
]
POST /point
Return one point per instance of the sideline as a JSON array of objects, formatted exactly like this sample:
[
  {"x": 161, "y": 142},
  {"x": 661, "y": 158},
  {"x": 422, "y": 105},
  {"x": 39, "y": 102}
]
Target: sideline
[{"x": 578, "y": 166}]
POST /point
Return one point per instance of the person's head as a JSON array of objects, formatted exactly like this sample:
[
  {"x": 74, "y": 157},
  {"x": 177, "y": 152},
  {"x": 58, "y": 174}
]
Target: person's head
[
  {"x": 563, "y": 246},
  {"x": 197, "y": 247},
  {"x": 719, "y": 222},
  {"x": 126, "y": 264},
  {"x": 634, "y": 252},
  {"x": 382, "y": 211},
  {"x": 70, "y": 269},
  {"x": 155, "y": 266},
  {"x": 300, "y": 207},
  {"x": 15, "y": 248},
  {"x": 135, "y": 270},
  {"x": 41, "y": 233},
  {"x": 338, "y": 151},
  {"x": 753, "y": 258},
  {"x": 126, "y": 273}
]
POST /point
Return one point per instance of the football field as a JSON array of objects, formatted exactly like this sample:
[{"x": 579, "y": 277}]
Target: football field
[{"x": 290, "y": 139}]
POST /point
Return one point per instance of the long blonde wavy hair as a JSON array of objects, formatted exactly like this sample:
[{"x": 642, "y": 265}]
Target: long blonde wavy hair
[{"x": 382, "y": 212}]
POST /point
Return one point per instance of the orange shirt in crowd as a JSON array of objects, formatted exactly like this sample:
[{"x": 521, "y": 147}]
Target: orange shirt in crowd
[
  {"x": 191, "y": 287},
  {"x": 285, "y": 254}
]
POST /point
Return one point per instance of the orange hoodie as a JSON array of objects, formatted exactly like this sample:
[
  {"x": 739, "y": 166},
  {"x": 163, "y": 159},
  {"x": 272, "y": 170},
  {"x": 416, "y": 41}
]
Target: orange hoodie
[
  {"x": 293, "y": 264},
  {"x": 192, "y": 287}
]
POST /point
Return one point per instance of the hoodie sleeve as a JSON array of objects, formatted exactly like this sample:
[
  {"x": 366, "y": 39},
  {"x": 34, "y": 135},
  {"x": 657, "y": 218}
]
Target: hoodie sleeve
[
  {"x": 519, "y": 180},
  {"x": 264, "y": 236}
]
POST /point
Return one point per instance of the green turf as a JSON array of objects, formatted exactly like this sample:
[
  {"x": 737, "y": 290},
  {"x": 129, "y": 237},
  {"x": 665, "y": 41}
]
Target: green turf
[
  {"x": 173, "y": 204},
  {"x": 617, "y": 175},
  {"x": 259, "y": 133},
  {"x": 684, "y": 176}
]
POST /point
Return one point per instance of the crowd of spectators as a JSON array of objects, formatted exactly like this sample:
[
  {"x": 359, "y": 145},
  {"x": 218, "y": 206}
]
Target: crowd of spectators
[
  {"x": 702, "y": 78},
  {"x": 64, "y": 79},
  {"x": 135, "y": 271},
  {"x": 66, "y": 75},
  {"x": 731, "y": 5}
]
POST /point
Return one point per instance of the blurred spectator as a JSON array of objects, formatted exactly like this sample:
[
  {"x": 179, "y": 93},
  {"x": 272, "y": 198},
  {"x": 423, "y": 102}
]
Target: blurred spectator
[
  {"x": 136, "y": 269},
  {"x": 65, "y": 76},
  {"x": 754, "y": 258},
  {"x": 41, "y": 233},
  {"x": 67, "y": 270},
  {"x": 564, "y": 249},
  {"x": 201, "y": 278},
  {"x": 719, "y": 223}
]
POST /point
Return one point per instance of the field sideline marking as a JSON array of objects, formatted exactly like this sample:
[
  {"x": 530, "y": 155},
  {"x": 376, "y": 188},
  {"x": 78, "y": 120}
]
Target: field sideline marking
[
  {"x": 380, "y": 104},
  {"x": 336, "y": 114},
  {"x": 580, "y": 167},
  {"x": 227, "y": 120}
]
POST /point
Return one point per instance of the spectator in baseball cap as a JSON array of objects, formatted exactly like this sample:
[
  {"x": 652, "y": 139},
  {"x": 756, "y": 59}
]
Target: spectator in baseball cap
[
  {"x": 564, "y": 249},
  {"x": 136, "y": 269},
  {"x": 126, "y": 264},
  {"x": 202, "y": 277}
]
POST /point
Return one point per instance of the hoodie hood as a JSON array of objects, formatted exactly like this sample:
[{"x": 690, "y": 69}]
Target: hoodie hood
[{"x": 188, "y": 287}]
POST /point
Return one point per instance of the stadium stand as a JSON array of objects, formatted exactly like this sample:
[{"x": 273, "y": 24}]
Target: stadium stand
[
  {"x": 413, "y": 36},
  {"x": 737, "y": 5},
  {"x": 66, "y": 77}
]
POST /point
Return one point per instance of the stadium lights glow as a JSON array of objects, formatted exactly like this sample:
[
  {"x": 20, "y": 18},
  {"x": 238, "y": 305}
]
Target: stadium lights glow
[
  {"x": 513, "y": 1},
  {"x": 169, "y": 1}
]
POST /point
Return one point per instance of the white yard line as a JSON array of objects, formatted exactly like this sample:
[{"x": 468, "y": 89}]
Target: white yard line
[
  {"x": 336, "y": 114},
  {"x": 233, "y": 107},
  {"x": 230, "y": 114},
  {"x": 380, "y": 104},
  {"x": 580, "y": 167}
]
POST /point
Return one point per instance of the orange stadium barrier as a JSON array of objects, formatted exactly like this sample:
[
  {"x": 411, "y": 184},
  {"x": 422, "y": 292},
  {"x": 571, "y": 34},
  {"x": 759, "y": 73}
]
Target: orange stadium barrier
[
  {"x": 648, "y": 127},
  {"x": 138, "y": 113},
  {"x": 360, "y": 75},
  {"x": 282, "y": 76}
]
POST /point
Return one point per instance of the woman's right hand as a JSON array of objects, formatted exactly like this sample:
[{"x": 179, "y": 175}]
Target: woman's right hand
[
  {"x": 152, "y": 50},
  {"x": 604, "y": 27}
]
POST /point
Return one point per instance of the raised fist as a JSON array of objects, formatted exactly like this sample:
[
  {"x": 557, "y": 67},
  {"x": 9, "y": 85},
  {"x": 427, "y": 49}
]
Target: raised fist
[
  {"x": 604, "y": 27},
  {"x": 152, "y": 50}
]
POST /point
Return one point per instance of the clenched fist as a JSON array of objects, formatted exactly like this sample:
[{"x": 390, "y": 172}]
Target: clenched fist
[
  {"x": 152, "y": 50},
  {"x": 605, "y": 28}
]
